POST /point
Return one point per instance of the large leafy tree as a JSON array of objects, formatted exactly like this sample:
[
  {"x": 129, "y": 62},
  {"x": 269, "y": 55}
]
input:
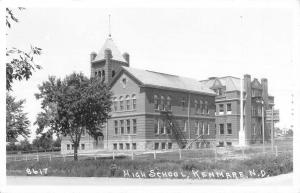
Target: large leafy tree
[
  {"x": 17, "y": 122},
  {"x": 72, "y": 105},
  {"x": 20, "y": 64}
]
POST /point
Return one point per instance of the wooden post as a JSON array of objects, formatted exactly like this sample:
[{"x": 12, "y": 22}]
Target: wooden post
[
  {"x": 179, "y": 153},
  {"x": 113, "y": 155},
  {"x": 154, "y": 154},
  {"x": 276, "y": 151}
]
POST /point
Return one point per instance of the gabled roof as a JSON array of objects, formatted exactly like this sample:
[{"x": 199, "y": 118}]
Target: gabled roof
[
  {"x": 116, "y": 54},
  {"x": 231, "y": 83},
  {"x": 161, "y": 80}
]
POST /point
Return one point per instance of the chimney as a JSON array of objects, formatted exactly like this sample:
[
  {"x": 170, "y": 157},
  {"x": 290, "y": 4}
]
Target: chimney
[
  {"x": 126, "y": 57},
  {"x": 93, "y": 56}
]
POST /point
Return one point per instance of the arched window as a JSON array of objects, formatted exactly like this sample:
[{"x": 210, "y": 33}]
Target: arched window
[
  {"x": 115, "y": 104},
  {"x": 162, "y": 103},
  {"x": 121, "y": 103},
  {"x": 169, "y": 106},
  {"x": 127, "y": 102},
  {"x": 156, "y": 102},
  {"x": 133, "y": 101},
  {"x": 99, "y": 73}
]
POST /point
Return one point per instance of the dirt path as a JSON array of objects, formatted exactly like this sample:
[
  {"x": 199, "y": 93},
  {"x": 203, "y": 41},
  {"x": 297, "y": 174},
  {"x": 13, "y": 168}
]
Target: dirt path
[{"x": 281, "y": 180}]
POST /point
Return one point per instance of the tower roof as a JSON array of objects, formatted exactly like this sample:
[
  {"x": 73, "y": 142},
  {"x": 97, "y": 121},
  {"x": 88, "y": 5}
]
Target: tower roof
[{"x": 116, "y": 54}]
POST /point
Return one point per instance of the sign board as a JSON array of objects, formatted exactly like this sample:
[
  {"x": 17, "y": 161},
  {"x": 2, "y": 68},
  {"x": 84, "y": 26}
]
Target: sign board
[{"x": 275, "y": 115}]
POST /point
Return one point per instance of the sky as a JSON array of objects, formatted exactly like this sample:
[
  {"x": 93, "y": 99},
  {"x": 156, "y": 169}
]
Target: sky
[{"x": 191, "y": 42}]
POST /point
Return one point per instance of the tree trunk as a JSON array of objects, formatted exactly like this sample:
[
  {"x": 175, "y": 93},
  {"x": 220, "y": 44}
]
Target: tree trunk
[{"x": 75, "y": 152}]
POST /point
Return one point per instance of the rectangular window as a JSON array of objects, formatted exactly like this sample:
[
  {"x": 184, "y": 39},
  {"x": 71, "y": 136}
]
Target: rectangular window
[
  {"x": 229, "y": 143},
  {"x": 115, "y": 104},
  {"x": 197, "y": 145},
  {"x": 68, "y": 146},
  {"x": 162, "y": 127},
  {"x": 127, "y": 104},
  {"x": 72, "y": 146},
  {"x": 82, "y": 146},
  {"x": 122, "y": 126},
  {"x": 115, "y": 146},
  {"x": 134, "y": 146},
  {"x": 134, "y": 125},
  {"x": 229, "y": 107},
  {"x": 203, "y": 129},
  {"x": 208, "y": 129},
  {"x": 128, "y": 126},
  {"x": 116, "y": 128},
  {"x": 121, "y": 105},
  {"x": 206, "y": 107},
  {"x": 221, "y": 144},
  {"x": 221, "y": 108},
  {"x": 121, "y": 146},
  {"x": 183, "y": 103},
  {"x": 221, "y": 129},
  {"x": 163, "y": 145},
  {"x": 168, "y": 128},
  {"x": 83, "y": 133},
  {"x": 156, "y": 146},
  {"x": 156, "y": 102},
  {"x": 156, "y": 126},
  {"x": 229, "y": 128},
  {"x": 127, "y": 146},
  {"x": 184, "y": 125}
]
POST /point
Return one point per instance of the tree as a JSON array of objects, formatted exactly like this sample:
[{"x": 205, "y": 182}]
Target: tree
[
  {"x": 17, "y": 122},
  {"x": 72, "y": 105},
  {"x": 20, "y": 63},
  {"x": 45, "y": 141}
]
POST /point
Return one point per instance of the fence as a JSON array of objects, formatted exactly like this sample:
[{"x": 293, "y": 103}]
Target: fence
[{"x": 209, "y": 154}]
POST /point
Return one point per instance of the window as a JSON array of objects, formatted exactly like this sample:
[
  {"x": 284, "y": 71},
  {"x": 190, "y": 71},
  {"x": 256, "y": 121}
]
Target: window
[
  {"x": 156, "y": 126},
  {"x": 156, "y": 102},
  {"x": 201, "y": 106},
  {"x": 197, "y": 145},
  {"x": 96, "y": 73},
  {"x": 115, "y": 104},
  {"x": 196, "y": 106},
  {"x": 83, "y": 132},
  {"x": 162, "y": 127},
  {"x": 168, "y": 128},
  {"x": 169, "y": 145},
  {"x": 122, "y": 126},
  {"x": 208, "y": 129},
  {"x": 221, "y": 144},
  {"x": 68, "y": 146},
  {"x": 162, "y": 103},
  {"x": 221, "y": 108},
  {"x": 72, "y": 146},
  {"x": 121, "y": 146},
  {"x": 229, "y": 107},
  {"x": 169, "y": 106},
  {"x": 128, "y": 126},
  {"x": 115, "y": 146},
  {"x": 183, "y": 103},
  {"x": 203, "y": 128},
  {"x": 103, "y": 75},
  {"x": 156, "y": 146},
  {"x": 82, "y": 146},
  {"x": 127, "y": 146},
  {"x": 221, "y": 129},
  {"x": 133, "y": 101},
  {"x": 113, "y": 73},
  {"x": 121, "y": 103},
  {"x": 198, "y": 128},
  {"x": 163, "y": 145},
  {"x": 116, "y": 128},
  {"x": 184, "y": 125},
  {"x": 229, "y": 143},
  {"x": 134, "y": 146},
  {"x": 229, "y": 129},
  {"x": 134, "y": 125},
  {"x": 206, "y": 107},
  {"x": 127, "y": 102}
]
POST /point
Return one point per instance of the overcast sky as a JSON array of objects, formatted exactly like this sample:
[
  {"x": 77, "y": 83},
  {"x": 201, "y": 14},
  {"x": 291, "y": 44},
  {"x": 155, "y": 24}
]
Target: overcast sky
[{"x": 197, "y": 43}]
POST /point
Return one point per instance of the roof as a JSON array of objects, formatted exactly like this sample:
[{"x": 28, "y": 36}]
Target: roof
[
  {"x": 116, "y": 54},
  {"x": 231, "y": 83},
  {"x": 156, "y": 79}
]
